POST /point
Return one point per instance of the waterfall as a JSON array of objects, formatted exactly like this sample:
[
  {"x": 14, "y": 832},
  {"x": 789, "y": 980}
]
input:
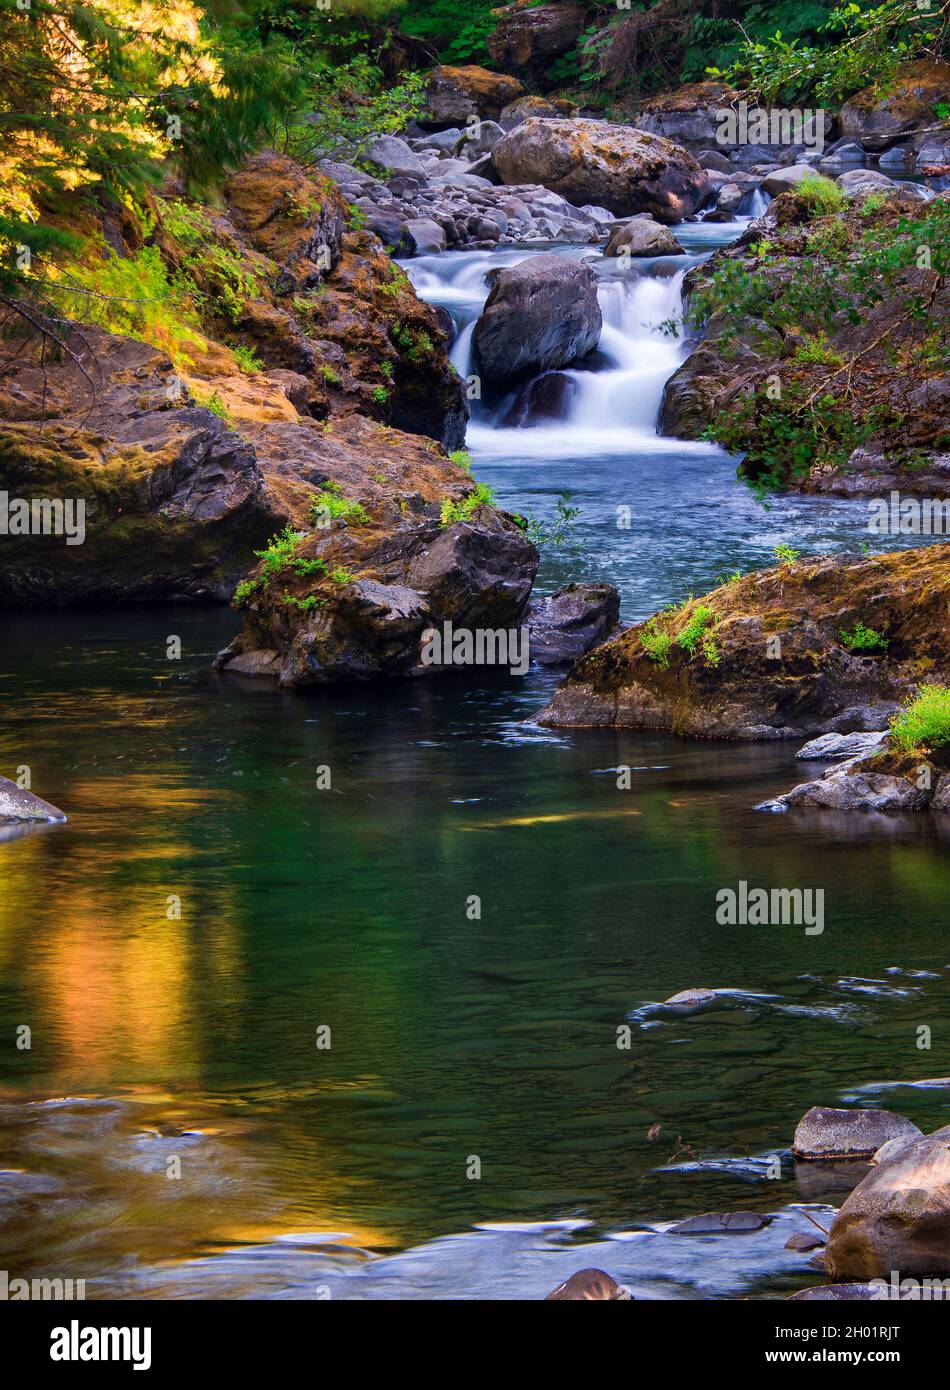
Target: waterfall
[{"x": 604, "y": 405}]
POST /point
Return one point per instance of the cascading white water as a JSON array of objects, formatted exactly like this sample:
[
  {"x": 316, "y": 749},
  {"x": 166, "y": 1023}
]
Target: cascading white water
[{"x": 605, "y": 407}]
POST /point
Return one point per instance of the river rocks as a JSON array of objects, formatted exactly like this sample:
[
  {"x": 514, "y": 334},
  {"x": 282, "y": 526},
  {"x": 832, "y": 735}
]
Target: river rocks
[
  {"x": 689, "y": 115},
  {"x": 642, "y": 236},
  {"x": 898, "y": 1218},
  {"x": 805, "y": 1241},
  {"x": 523, "y": 107},
  {"x": 590, "y": 1285},
  {"x": 540, "y": 314},
  {"x": 568, "y": 623},
  {"x": 831, "y": 746},
  {"x": 531, "y": 37},
  {"x": 855, "y": 183},
  {"x": 881, "y": 114},
  {"x": 811, "y": 683},
  {"x": 720, "y": 1223},
  {"x": 428, "y": 237},
  {"x": 456, "y": 93},
  {"x": 693, "y": 1000},
  {"x": 690, "y": 394},
  {"x": 781, "y": 180},
  {"x": 836, "y": 1293},
  {"x": 824, "y": 1134},
  {"x": 17, "y": 804},
  {"x": 616, "y": 167},
  {"x": 851, "y": 788},
  {"x": 360, "y": 598},
  {"x": 394, "y": 154}
]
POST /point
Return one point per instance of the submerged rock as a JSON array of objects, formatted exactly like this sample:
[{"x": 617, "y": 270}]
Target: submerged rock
[
  {"x": 616, "y": 167},
  {"x": 591, "y": 1285},
  {"x": 847, "y": 1134},
  {"x": 720, "y": 1223},
  {"x": 539, "y": 314},
  {"x": 898, "y": 1218},
  {"x": 17, "y": 804},
  {"x": 762, "y": 657},
  {"x": 568, "y": 623}
]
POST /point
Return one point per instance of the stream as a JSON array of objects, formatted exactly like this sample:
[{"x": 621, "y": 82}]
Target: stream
[{"x": 179, "y": 1126}]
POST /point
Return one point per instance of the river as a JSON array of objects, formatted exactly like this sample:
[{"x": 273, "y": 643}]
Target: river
[{"x": 184, "y": 1125}]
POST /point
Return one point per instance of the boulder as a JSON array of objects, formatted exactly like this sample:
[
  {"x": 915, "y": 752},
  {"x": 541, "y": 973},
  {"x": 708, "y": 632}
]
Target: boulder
[
  {"x": 847, "y": 1134},
  {"x": 689, "y": 114},
  {"x": 642, "y": 236},
  {"x": 616, "y": 167},
  {"x": 532, "y": 37},
  {"x": 544, "y": 398},
  {"x": 880, "y": 115},
  {"x": 295, "y": 217},
  {"x": 394, "y": 154},
  {"x": 898, "y": 1218},
  {"x": 592, "y": 1285},
  {"x": 456, "y": 93},
  {"x": 832, "y": 746},
  {"x": 517, "y": 111},
  {"x": 811, "y": 683},
  {"x": 568, "y": 623},
  {"x": 855, "y": 183},
  {"x": 481, "y": 139},
  {"x": 852, "y": 788},
  {"x": 539, "y": 314},
  {"x": 781, "y": 180},
  {"x": 17, "y": 804},
  {"x": 428, "y": 237}
]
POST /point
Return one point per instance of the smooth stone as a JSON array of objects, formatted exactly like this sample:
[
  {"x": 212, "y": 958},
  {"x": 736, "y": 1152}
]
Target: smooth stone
[
  {"x": 839, "y": 746},
  {"x": 590, "y": 1285},
  {"x": 719, "y": 1223},
  {"x": 824, "y": 1134},
  {"x": 16, "y": 804}
]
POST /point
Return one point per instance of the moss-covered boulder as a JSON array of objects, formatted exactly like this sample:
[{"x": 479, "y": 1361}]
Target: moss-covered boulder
[{"x": 773, "y": 655}]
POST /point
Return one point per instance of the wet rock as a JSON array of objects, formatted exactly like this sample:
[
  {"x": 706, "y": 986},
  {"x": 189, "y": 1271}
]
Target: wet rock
[
  {"x": 850, "y": 788},
  {"x": 746, "y": 694},
  {"x": 571, "y": 621},
  {"x": 539, "y": 314},
  {"x": 428, "y": 237},
  {"x": 898, "y": 1218},
  {"x": 847, "y": 1134},
  {"x": 835, "y": 1293},
  {"x": 691, "y": 1000},
  {"x": 532, "y": 37},
  {"x": 617, "y": 167},
  {"x": 720, "y": 1223},
  {"x": 880, "y": 115},
  {"x": 832, "y": 746},
  {"x": 690, "y": 394},
  {"x": 456, "y": 93},
  {"x": 17, "y": 804},
  {"x": 892, "y": 1147},
  {"x": 642, "y": 236},
  {"x": 805, "y": 1241},
  {"x": 590, "y": 1284},
  {"x": 546, "y": 397}
]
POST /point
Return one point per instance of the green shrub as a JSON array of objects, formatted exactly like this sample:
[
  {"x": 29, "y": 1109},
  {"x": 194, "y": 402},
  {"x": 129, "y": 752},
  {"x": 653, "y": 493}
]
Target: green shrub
[
  {"x": 821, "y": 195},
  {"x": 656, "y": 644},
  {"x": 690, "y": 636},
  {"x": 247, "y": 359},
  {"x": 863, "y": 639},
  {"x": 481, "y": 496},
  {"x": 925, "y": 722},
  {"x": 329, "y": 504}
]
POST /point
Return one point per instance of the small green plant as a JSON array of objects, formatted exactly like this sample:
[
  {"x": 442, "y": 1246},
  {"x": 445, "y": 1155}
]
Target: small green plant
[
  {"x": 331, "y": 377},
  {"x": 247, "y": 359},
  {"x": 213, "y": 402},
  {"x": 785, "y": 554},
  {"x": 814, "y": 350},
  {"x": 462, "y": 459},
  {"x": 278, "y": 556},
  {"x": 481, "y": 496},
  {"x": 863, "y": 639},
  {"x": 340, "y": 575},
  {"x": 305, "y": 605},
  {"x": 692, "y": 633},
  {"x": 711, "y": 651},
  {"x": 925, "y": 721},
  {"x": 329, "y": 504},
  {"x": 380, "y": 394},
  {"x": 551, "y": 532},
  {"x": 821, "y": 196},
  {"x": 656, "y": 644}
]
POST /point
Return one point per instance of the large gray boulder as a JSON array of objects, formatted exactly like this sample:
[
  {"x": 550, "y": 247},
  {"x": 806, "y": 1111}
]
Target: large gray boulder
[
  {"x": 394, "y": 154},
  {"x": 614, "y": 166},
  {"x": 16, "y": 804},
  {"x": 642, "y": 236},
  {"x": 824, "y": 1133},
  {"x": 540, "y": 314},
  {"x": 898, "y": 1217}
]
